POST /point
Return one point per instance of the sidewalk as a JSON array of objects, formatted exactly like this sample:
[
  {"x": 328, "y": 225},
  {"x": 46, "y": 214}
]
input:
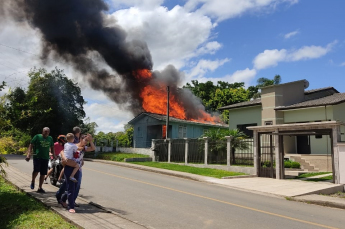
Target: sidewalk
[
  {"x": 87, "y": 216},
  {"x": 291, "y": 189}
]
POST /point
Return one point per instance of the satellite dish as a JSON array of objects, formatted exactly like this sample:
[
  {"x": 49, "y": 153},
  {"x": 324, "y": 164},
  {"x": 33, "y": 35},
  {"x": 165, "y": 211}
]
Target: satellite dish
[{"x": 306, "y": 84}]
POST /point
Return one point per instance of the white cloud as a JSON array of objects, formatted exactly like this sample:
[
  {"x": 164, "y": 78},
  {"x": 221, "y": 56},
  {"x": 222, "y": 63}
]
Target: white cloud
[
  {"x": 173, "y": 36},
  {"x": 291, "y": 34},
  {"x": 270, "y": 58},
  {"x": 222, "y": 10},
  {"x": 108, "y": 116},
  {"x": 205, "y": 66},
  {"x": 310, "y": 52},
  {"x": 342, "y": 64},
  {"x": 246, "y": 76},
  {"x": 147, "y": 4}
]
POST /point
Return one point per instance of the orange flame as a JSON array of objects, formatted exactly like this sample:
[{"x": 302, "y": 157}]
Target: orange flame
[{"x": 155, "y": 101}]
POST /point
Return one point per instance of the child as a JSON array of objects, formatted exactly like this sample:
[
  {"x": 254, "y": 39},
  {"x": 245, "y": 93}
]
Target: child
[{"x": 71, "y": 152}]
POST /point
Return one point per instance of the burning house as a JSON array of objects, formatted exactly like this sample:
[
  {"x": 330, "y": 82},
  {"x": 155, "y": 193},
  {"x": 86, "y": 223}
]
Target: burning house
[
  {"x": 148, "y": 126},
  {"x": 78, "y": 33}
]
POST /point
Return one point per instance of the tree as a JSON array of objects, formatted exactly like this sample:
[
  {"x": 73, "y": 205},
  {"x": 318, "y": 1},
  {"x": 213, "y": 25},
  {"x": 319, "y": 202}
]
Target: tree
[
  {"x": 265, "y": 82},
  {"x": 236, "y": 140},
  {"x": 2, "y": 85},
  {"x": 89, "y": 127},
  {"x": 51, "y": 100}
]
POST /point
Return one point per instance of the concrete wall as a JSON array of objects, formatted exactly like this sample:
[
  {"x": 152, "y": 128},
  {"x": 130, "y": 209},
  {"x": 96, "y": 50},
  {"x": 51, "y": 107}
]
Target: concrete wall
[
  {"x": 144, "y": 151},
  {"x": 244, "y": 115},
  {"x": 280, "y": 95},
  {"x": 320, "y": 145},
  {"x": 341, "y": 148},
  {"x": 289, "y": 144},
  {"x": 104, "y": 149},
  {"x": 308, "y": 114}
]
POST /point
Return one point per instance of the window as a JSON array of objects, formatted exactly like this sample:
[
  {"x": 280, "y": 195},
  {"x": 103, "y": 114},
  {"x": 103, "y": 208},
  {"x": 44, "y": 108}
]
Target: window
[
  {"x": 268, "y": 123},
  {"x": 182, "y": 131},
  {"x": 243, "y": 128}
]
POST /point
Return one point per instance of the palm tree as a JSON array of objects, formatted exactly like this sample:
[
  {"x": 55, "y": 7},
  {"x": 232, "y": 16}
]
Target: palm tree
[
  {"x": 236, "y": 140},
  {"x": 264, "y": 82}
]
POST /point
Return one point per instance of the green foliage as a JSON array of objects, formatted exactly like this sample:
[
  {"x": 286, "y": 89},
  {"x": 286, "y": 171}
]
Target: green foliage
[
  {"x": 295, "y": 165},
  {"x": 304, "y": 175},
  {"x": 120, "y": 157},
  {"x": 2, "y": 85},
  {"x": 125, "y": 139},
  {"x": 292, "y": 164},
  {"x": 265, "y": 82},
  {"x": 88, "y": 127},
  {"x": 3, "y": 162},
  {"x": 18, "y": 210},
  {"x": 287, "y": 164},
  {"x": 51, "y": 100},
  {"x": 216, "y": 96}
]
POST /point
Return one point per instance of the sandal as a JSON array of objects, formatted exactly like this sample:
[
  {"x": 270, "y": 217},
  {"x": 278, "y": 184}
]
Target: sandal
[
  {"x": 71, "y": 210},
  {"x": 63, "y": 204}
]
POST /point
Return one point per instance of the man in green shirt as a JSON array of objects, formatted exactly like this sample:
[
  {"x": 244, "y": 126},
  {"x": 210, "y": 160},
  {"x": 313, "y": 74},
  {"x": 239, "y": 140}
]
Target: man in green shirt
[{"x": 40, "y": 146}]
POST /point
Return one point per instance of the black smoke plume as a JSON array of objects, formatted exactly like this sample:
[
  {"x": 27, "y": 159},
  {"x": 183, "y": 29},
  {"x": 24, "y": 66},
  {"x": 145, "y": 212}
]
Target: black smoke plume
[{"x": 75, "y": 29}]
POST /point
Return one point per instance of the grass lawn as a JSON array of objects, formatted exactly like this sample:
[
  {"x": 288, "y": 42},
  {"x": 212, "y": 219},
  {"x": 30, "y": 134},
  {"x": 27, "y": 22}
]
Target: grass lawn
[
  {"x": 18, "y": 210},
  {"x": 190, "y": 169},
  {"x": 118, "y": 156},
  {"x": 304, "y": 175},
  {"x": 321, "y": 178}
]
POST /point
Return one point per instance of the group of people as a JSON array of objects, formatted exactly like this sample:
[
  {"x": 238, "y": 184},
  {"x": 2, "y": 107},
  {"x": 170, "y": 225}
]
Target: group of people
[{"x": 71, "y": 149}]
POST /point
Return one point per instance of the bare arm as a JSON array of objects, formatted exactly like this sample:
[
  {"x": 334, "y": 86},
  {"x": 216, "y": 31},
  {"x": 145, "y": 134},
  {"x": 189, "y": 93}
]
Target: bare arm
[
  {"x": 52, "y": 150},
  {"x": 28, "y": 155},
  {"x": 63, "y": 155},
  {"x": 92, "y": 146}
]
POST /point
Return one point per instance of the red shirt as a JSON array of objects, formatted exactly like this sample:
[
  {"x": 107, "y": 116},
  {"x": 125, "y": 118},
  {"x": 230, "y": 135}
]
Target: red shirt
[{"x": 57, "y": 148}]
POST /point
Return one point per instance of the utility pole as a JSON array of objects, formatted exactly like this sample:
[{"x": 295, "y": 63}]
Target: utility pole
[{"x": 167, "y": 123}]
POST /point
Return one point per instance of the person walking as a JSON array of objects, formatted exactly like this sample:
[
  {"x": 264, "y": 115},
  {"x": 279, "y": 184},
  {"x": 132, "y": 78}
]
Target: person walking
[{"x": 40, "y": 145}]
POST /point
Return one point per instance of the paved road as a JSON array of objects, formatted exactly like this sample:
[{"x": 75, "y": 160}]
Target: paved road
[{"x": 160, "y": 201}]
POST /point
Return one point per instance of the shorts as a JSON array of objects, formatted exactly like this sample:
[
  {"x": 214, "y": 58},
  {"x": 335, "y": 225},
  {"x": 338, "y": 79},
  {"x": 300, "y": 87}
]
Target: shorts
[{"x": 41, "y": 166}]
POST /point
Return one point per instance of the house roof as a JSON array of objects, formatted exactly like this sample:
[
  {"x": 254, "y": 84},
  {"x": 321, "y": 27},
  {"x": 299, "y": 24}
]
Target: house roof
[
  {"x": 255, "y": 102},
  {"x": 328, "y": 100},
  {"x": 320, "y": 89},
  {"x": 172, "y": 119},
  {"x": 250, "y": 103}
]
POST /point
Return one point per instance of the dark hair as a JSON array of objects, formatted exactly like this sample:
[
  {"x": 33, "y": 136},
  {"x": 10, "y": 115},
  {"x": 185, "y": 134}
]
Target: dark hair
[{"x": 76, "y": 130}]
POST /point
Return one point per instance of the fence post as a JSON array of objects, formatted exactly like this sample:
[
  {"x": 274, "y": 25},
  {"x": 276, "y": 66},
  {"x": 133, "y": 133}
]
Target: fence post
[
  {"x": 153, "y": 153},
  {"x": 206, "y": 149},
  {"x": 228, "y": 149},
  {"x": 186, "y": 151},
  {"x": 169, "y": 149}
]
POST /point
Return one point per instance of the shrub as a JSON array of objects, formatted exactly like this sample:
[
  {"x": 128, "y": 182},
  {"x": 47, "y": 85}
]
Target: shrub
[
  {"x": 287, "y": 164},
  {"x": 7, "y": 145},
  {"x": 295, "y": 165}
]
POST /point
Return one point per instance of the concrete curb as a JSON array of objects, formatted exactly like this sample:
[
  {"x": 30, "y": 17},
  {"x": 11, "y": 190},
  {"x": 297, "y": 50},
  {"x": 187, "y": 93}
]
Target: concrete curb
[
  {"x": 321, "y": 203},
  {"x": 321, "y": 200}
]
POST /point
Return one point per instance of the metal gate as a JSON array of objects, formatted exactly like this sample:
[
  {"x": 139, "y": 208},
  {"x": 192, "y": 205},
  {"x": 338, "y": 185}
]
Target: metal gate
[
  {"x": 161, "y": 151},
  {"x": 266, "y": 156}
]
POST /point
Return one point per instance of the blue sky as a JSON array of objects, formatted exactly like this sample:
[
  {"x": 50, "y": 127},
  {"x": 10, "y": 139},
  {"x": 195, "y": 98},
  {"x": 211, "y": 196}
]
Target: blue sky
[{"x": 233, "y": 40}]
